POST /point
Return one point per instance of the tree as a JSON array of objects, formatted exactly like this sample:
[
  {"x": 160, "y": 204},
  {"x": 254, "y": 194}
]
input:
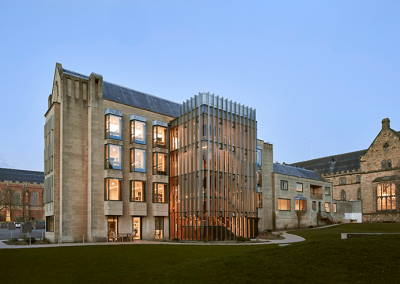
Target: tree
[{"x": 7, "y": 203}]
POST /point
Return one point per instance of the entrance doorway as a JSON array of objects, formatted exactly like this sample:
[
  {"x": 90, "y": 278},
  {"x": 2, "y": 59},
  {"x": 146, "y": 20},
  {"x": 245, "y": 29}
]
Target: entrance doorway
[
  {"x": 112, "y": 227},
  {"x": 137, "y": 228},
  {"x": 159, "y": 228}
]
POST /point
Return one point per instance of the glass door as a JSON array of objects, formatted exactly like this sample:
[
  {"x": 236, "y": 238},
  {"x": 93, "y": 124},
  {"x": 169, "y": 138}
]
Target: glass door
[
  {"x": 159, "y": 224},
  {"x": 112, "y": 227},
  {"x": 136, "y": 228}
]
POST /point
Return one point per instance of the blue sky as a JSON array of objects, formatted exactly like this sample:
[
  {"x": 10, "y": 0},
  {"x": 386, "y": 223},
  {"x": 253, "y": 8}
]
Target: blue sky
[{"x": 326, "y": 71}]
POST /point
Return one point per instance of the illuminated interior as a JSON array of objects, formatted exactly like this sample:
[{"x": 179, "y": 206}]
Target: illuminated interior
[
  {"x": 160, "y": 192},
  {"x": 138, "y": 160},
  {"x": 136, "y": 228},
  {"x": 159, "y": 136},
  {"x": 283, "y": 204},
  {"x": 300, "y": 205},
  {"x": 386, "y": 196},
  {"x": 159, "y": 163},
  {"x": 137, "y": 191},
  {"x": 113, "y": 127},
  {"x": 113, "y": 157},
  {"x": 112, "y": 189},
  {"x": 138, "y": 132}
]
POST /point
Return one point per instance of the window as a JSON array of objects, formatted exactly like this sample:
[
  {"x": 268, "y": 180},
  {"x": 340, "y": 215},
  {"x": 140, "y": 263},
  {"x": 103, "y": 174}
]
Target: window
[
  {"x": 34, "y": 198},
  {"x": 299, "y": 186},
  {"x": 327, "y": 191},
  {"x": 327, "y": 207},
  {"x": 342, "y": 181},
  {"x": 138, "y": 160},
  {"x": 49, "y": 223},
  {"x": 343, "y": 195},
  {"x": 284, "y": 204},
  {"x": 359, "y": 193},
  {"x": 259, "y": 178},
  {"x": 259, "y": 157},
  {"x": 113, "y": 157},
  {"x": 334, "y": 207},
  {"x": 314, "y": 205},
  {"x": 113, "y": 127},
  {"x": 159, "y": 164},
  {"x": 300, "y": 205},
  {"x": 383, "y": 165},
  {"x": 17, "y": 198},
  {"x": 386, "y": 196},
  {"x": 389, "y": 164},
  {"x": 112, "y": 189},
  {"x": 284, "y": 185},
  {"x": 259, "y": 200},
  {"x": 138, "y": 132},
  {"x": 159, "y": 136},
  {"x": 1, "y": 196},
  {"x": 138, "y": 191},
  {"x": 159, "y": 192},
  {"x": 357, "y": 178}
]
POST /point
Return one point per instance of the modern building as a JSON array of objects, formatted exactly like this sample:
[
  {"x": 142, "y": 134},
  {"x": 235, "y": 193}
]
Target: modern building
[
  {"x": 21, "y": 195},
  {"x": 118, "y": 161},
  {"x": 370, "y": 176}
]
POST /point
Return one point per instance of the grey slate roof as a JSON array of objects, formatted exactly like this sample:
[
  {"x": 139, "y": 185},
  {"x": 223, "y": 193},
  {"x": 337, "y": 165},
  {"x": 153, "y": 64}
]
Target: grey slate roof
[
  {"x": 21, "y": 175},
  {"x": 134, "y": 98},
  {"x": 297, "y": 172},
  {"x": 335, "y": 163}
]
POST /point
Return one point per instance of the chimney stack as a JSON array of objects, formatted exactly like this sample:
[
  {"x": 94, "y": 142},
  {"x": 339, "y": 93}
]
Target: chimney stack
[{"x": 385, "y": 123}]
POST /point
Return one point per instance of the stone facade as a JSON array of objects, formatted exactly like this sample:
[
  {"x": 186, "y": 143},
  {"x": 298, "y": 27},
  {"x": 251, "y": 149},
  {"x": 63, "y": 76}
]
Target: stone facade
[{"x": 358, "y": 177}]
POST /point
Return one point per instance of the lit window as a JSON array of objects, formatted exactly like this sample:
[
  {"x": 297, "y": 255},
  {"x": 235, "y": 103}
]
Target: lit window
[
  {"x": 386, "y": 196},
  {"x": 138, "y": 189},
  {"x": 327, "y": 207},
  {"x": 299, "y": 186},
  {"x": 113, "y": 127},
  {"x": 343, "y": 195},
  {"x": 138, "y": 132},
  {"x": 113, "y": 157},
  {"x": 327, "y": 191},
  {"x": 49, "y": 223},
  {"x": 159, "y": 192},
  {"x": 34, "y": 198},
  {"x": 159, "y": 164},
  {"x": 334, "y": 207},
  {"x": 259, "y": 178},
  {"x": 284, "y": 204},
  {"x": 138, "y": 160},
  {"x": 112, "y": 189},
  {"x": 159, "y": 136},
  {"x": 259, "y": 200},
  {"x": 284, "y": 185},
  {"x": 300, "y": 205}
]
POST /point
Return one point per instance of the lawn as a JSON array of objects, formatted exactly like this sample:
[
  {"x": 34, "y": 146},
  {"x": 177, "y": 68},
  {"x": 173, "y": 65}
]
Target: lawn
[{"x": 323, "y": 258}]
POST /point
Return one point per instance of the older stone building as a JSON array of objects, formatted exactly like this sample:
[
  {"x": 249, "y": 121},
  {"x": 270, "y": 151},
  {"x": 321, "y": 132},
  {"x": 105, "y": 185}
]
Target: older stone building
[
  {"x": 370, "y": 176},
  {"x": 21, "y": 195}
]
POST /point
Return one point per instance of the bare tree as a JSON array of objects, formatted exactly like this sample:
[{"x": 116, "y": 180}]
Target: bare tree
[{"x": 7, "y": 202}]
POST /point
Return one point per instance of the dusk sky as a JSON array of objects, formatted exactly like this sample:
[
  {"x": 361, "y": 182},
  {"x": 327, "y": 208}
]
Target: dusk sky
[{"x": 320, "y": 71}]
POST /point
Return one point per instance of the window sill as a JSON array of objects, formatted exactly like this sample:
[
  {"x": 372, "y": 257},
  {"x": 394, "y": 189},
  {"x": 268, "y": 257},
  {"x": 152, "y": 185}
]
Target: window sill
[{"x": 113, "y": 141}]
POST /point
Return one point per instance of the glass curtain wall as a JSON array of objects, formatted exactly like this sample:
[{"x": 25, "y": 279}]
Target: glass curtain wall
[{"x": 213, "y": 171}]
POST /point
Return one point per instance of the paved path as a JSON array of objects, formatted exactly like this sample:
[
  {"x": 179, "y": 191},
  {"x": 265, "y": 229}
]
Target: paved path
[{"x": 289, "y": 238}]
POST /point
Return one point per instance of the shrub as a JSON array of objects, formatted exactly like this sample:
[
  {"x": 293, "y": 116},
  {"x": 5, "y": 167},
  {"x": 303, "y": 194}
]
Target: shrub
[
  {"x": 311, "y": 226},
  {"x": 176, "y": 240},
  {"x": 46, "y": 241},
  {"x": 207, "y": 239},
  {"x": 240, "y": 239},
  {"x": 33, "y": 240},
  {"x": 286, "y": 225},
  {"x": 23, "y": 237}
]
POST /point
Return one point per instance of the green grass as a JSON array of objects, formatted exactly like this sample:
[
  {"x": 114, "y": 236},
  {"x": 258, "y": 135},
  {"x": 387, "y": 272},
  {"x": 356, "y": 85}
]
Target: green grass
[{"x": 323, "y": 258}]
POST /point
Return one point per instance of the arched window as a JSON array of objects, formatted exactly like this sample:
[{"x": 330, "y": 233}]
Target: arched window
[
  {"x": 343, "y": 195},
  {"x": 34, "y": 198},
  {"x": 359, "y": 193},
  {"x": 386, "y": 196},
  {"x": 17, "y": 198}
]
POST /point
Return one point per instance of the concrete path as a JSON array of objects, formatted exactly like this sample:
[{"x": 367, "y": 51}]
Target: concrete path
[{"x": 289, "y": 238}]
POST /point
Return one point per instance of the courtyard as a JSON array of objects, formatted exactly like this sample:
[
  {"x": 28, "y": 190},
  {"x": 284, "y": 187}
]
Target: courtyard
[{"x": 322, "y": 258}]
